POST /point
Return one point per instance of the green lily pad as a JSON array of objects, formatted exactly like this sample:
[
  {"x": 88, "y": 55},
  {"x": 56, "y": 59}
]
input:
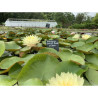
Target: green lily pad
[
  {"x": 14, "y": 71},
  {"x": 92, "y": 58},
  {"x": 77, "y": 59},
  {"x": 72, "y": 39},
  {"x": 86, "y": 47},
  {"x": 41, "y": 66},
  {"x": 8, "y": 62},
  {"x": 12, "y": 46},
  {"x": 92, "y": 39},
  {"x": 31, "y": 82},
  {"x": 96, "y": 44},
  {"x": 86, "y": 83},
  {"x": 95, "y": 51},
  {"x": 44, "y": 43},
  {"x": 76, "y": 44},
  {"x": 65, "y": 56},
  {"x": 7, "y": 80},
  {"x": 64, "y": 44},
  {"x": 25, "y": 49},
  {"x": 92, "y": 66},
  {"x": 48, "y": 50},
  {"x": 80, "y": 54},
  {"x": 53, "y": 36},
  {"x": 2, "y": 47},
  {"x": 92, "y": 76},
  {"x": 65, "y": 49},
  {"x": 27, "y": 57},
  {"x": 39, "y": 45},
  {"x": 68, "y": 66}
]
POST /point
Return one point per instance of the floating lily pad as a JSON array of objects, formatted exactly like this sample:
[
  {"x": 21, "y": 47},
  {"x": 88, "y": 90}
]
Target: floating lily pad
[
  {"x": 95, "y": 51},
  {"x": 92, "y": 39},
  {"x": 53, "y": 36},
  {"x": 27, "y": 57},
  {"x": 86, "y": 47},
  {"x": 77, "y": 59},
  {"x": 92, "y": 58},
  {"x": 25, "y": 49},
  {"x": 48, "y": 50},
  {"x": 41, "y": 66},
  {"x": 65, "y": 56},
  {"x": 14, "y": 71},
  {"x": 44, "y": 43},
  {"x": 31, "y": 82},
  {"x": 12, "y": 46},
  {"x": 7, "y": 80},
  {"x": 92, "y": 76},
  {"x": 2, "y": 47},
  {"x": 68, "y": 66},
  {"x": 76, "y": 44},
  {"x": 72, "y": 39},
  {"x": 80, "y": 54},
  {"x": 8, "y": 62},
  {"x": 92, "y": 66},
  {"x": 96, "y": 44},
  {"x": 64, "y": 44},
  {"x": 65, "y": 49},
  {"x": 86, "y": 83}
]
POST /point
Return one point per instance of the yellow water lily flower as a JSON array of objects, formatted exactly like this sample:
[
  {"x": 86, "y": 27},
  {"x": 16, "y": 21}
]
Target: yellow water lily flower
[
  {"x": 77, "y": 36},
  {"x": 31, "y": 40},
  {"x": 4, "y": 38},
  {"x": 66, "y": 79},
  {"x": 85, "y": 36}
]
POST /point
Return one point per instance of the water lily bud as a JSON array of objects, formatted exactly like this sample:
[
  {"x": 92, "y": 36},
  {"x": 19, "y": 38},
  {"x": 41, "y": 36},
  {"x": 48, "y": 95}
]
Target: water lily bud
[
  {"x": 72, "y": 33},
  {"x": 52, "y": 32}
]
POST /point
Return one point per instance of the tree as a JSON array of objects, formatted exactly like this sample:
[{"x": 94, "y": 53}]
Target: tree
[
  {"x": 81, "y": 17},
  {"x": 64, "y": 19},
  {"x": 89, "y": 19},
  {"x": 95, "y": 19}
]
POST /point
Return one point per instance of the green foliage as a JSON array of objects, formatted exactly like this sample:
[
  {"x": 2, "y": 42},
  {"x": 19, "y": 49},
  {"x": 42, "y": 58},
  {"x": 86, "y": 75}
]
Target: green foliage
[
  {"x": 25, "y": 66},
  {"x": 95, "y": 19},
  {"x": 64, "y": 19},
  {"x": 85, "y": 26}
]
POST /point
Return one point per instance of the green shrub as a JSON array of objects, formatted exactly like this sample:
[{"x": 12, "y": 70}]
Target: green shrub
[{"x": 84, "y": 26}]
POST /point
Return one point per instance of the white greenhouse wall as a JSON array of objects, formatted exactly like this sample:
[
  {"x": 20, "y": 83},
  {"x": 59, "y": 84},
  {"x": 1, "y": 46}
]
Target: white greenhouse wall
[{"x": 29, "y": 23}]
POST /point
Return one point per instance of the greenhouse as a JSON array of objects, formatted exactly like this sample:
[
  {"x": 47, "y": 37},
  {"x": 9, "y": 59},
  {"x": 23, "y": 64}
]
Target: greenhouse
[{"x": 30, "y": 22}]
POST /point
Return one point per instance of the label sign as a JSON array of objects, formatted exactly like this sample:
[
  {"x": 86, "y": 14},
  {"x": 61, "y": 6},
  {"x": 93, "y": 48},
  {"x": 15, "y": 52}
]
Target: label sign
[{"x": 53, "y": 44}]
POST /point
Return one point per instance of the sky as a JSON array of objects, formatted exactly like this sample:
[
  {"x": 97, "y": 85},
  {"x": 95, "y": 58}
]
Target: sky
[{"x": 89, "y": 13}]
